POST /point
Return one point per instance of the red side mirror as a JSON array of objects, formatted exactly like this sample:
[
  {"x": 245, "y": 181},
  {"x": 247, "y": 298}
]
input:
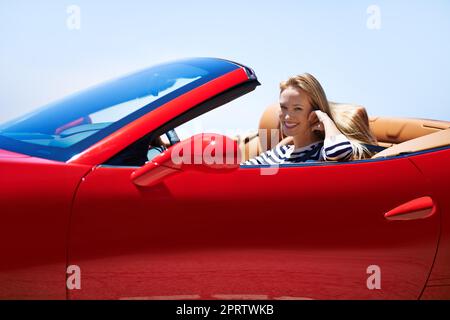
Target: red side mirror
[{"x": 206, "y": 152}]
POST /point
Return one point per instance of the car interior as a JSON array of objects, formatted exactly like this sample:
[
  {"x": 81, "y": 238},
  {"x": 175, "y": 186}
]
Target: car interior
[{"x": 395, "y": 136}]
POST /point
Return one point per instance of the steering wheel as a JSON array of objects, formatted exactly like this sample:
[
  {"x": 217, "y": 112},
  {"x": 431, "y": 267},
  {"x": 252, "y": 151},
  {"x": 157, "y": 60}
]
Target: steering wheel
[{"x": 155, "y": 150}]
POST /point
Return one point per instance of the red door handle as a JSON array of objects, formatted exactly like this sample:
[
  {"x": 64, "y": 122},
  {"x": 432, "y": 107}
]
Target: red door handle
[{"x": 419, "y": 208}]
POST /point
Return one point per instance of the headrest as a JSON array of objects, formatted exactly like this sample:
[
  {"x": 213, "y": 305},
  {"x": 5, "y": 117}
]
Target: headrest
[{"x": 270, "y": 120}]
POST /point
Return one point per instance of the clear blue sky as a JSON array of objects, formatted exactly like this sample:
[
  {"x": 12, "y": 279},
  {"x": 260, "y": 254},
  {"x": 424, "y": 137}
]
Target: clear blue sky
[{"x": 402, "y": 69}]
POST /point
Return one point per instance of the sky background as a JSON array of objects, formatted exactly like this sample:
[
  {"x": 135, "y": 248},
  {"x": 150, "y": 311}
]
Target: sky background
[{"x": 401, "y": 69}]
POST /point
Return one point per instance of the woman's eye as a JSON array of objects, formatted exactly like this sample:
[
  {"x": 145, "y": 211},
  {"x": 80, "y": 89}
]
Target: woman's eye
[{"x": 298, "y": 109}]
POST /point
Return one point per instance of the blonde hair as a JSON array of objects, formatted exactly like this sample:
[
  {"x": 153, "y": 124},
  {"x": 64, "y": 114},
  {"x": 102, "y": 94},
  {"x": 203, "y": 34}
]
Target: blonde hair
[{"x": 350, "y": 120}]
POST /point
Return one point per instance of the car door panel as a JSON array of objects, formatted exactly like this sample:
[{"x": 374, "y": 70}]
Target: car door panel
[
  {"x": 35, "y": 201},
  {"x": 434, "y": 166},
  {"x": 306, "y": 232}
]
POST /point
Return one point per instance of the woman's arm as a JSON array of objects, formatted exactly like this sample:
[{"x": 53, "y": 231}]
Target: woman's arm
[{"x": 337, "y": 148}]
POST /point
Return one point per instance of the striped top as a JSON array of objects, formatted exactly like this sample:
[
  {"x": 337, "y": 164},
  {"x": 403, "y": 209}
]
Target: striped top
[{"x": 337, "y": 148}]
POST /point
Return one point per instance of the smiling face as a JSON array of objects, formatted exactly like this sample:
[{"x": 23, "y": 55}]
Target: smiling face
[{"x": 295, "y": 110}]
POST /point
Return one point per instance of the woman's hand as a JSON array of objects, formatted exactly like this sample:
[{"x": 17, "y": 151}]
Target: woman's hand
[
  {"x": 317, "y": 120},
  {"x": 320, "y": 121}
]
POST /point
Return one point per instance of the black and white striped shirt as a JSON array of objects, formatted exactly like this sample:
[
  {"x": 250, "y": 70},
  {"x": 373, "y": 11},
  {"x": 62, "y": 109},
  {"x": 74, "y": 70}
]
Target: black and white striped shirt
[{"x": 337, "y": 148}]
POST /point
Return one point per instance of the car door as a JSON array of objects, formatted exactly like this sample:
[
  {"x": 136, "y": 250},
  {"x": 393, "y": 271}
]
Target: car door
[
  {"x": 35, "y": 200},
  {"x": 308, "y": 231}
]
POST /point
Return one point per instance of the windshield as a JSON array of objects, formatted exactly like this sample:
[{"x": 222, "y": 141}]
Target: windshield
[{"x": 65, "y": 128}]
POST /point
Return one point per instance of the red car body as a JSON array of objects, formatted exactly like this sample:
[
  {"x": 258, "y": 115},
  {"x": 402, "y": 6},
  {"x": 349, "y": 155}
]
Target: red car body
[{"x": 311, "y": 231}]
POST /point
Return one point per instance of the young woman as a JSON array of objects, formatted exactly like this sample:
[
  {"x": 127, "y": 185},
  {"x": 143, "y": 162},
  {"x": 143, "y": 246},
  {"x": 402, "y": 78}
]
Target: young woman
[{"x": 306, "y": 116}]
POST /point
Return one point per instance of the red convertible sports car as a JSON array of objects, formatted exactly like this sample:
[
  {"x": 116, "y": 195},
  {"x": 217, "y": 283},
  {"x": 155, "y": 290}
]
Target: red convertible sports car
[{"x": 94, "y": 205}]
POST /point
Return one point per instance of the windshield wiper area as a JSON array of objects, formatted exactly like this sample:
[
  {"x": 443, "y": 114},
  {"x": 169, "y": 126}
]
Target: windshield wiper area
[{"x": 27, "y": 135}]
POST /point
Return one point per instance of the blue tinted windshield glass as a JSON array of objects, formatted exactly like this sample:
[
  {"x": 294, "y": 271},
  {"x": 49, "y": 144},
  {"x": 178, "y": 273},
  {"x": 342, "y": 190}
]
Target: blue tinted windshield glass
[{"x": 67, "y": 127}]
